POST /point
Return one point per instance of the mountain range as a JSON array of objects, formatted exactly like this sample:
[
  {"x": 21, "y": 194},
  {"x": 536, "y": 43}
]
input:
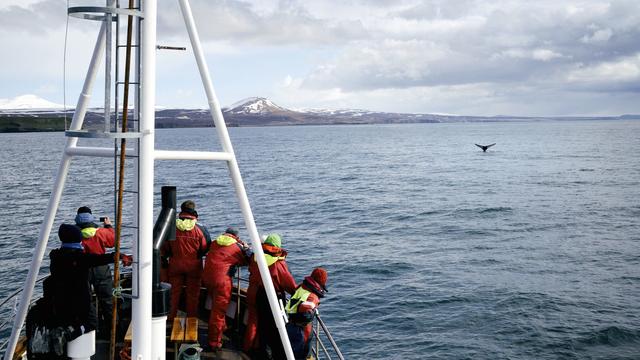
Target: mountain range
[{"x": 30, "y": 113}]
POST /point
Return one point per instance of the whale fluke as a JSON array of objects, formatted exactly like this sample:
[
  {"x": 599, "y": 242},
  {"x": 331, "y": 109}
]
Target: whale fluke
[{"x": 485, "y": 147}]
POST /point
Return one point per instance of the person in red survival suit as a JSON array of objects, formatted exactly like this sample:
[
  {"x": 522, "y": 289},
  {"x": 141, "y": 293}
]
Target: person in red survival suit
[
  {"x": 256, "y": 297},
  {"x": 301, "y": 309},
  {"x": 226, "y": 252},
  {"x": 185, "y": 259},
  {"x": 96, "y": 240}
]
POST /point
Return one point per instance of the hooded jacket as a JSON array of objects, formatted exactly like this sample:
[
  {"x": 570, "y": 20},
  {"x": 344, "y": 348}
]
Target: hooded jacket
[
  {"x": 226, "y": 252},
  {"x": 96, "y": 240},
  {"x": 305, "y": 300},
  {"x": 280, "y": 276},
  {"x": 192, "y": 242}
]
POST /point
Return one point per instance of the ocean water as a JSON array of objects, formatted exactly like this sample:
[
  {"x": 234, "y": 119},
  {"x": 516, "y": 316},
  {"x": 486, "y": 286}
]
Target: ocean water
[{"x": 435, "y": 250}]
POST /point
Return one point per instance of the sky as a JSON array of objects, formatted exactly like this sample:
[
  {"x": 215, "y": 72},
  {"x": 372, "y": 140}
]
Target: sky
[{"x": 466, "y": 57}]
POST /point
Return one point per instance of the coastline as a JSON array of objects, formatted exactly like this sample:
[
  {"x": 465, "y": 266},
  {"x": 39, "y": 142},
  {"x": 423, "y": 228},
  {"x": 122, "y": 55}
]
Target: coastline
[{"x": 179, "y": 118}]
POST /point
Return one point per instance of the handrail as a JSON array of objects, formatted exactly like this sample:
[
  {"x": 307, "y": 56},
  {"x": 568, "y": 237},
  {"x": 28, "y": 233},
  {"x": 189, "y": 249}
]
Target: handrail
[
  {"x": 17, "y": 292},
  {"x": 329, "y": 337},
  {"x": 321, "y": 344},
  {"x": 10, "y": 317}
]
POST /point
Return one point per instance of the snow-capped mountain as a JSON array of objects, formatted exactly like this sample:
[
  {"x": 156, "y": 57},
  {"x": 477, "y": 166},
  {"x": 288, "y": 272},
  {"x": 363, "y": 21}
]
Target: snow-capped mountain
[
  {"x": 28, "y": 102},
  {"x": 340, "y": 112},
  {"x": 30, "y": 113},
  {"x": 253, "y": 106}
]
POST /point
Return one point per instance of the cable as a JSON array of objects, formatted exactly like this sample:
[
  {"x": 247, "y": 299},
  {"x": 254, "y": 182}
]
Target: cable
[{"x": 64, "y": 70}]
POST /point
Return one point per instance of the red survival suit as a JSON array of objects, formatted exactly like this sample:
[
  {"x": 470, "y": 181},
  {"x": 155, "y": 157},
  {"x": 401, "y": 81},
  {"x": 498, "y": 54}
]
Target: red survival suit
[
  {"x": 95, "y": 240},
  {"x": 301, "y": 309},
  {"x": 185, "y": 262},
  {"x": 226, "y": 252},
  {"x": 282, "y": 282}
]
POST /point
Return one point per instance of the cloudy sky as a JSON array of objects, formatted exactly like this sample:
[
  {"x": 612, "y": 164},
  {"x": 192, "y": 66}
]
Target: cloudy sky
[{"x": 469, "y": 57}]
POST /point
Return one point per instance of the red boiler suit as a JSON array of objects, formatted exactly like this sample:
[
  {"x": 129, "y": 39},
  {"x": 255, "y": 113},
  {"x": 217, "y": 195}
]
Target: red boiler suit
[
  {"x": 226, "y": 252},
  {"x": 95, "y": 240},
  {"x": 301, "y": 310},
  {"x": 185, "y": 264},
  {"x": 282, "y": 282}
]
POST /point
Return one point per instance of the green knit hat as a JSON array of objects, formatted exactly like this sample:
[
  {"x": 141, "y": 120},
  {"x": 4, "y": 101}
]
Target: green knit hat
[{"x": 274, "y": 240}]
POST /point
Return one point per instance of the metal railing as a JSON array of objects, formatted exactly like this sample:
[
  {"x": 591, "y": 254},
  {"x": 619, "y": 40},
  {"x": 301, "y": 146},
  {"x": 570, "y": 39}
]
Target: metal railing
[
  {"x": 10, "y": 314},
  {"x": 320, "y": 325}
]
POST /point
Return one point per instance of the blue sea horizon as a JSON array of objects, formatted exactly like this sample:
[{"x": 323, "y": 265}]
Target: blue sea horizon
[{"x": 435, "y": 250}]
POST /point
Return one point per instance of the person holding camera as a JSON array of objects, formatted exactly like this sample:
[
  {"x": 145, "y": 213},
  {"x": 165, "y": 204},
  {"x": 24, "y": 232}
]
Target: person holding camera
[{"x": 96, "y": 240}]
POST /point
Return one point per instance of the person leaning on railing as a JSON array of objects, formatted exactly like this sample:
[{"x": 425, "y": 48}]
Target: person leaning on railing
[
  {"x": 261, "y": 329},
  {"x": 226, "y": 253},
  {"x": 301, "y": 309}
]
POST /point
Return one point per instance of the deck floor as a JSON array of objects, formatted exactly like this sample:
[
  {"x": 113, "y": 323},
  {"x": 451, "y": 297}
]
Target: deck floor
[{"x": 230, "y": 350}]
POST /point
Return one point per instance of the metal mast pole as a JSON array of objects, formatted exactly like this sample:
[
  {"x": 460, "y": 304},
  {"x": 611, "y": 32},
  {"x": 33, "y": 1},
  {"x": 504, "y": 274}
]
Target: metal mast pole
[
  {"x": 56, "y": 194},
  {"x": 107, "y": 68},
  {"x": 143, "y": 272},
  {"x": 234, "y": 170}
]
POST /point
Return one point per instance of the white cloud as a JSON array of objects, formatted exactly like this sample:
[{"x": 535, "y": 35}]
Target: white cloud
[
  {"x": 600, "y": 35},
  {"x": 359, "y": 53},
  {"x": 288, "y": 22},
  {"x": 623, "y": 70},
  {"x": 545, "y": 54},
  {"x": 534, "y": 54},
  {"x": 403, "y": 27}
]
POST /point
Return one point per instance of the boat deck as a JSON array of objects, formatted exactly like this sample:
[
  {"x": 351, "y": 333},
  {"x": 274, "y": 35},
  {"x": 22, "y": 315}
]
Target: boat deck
[{"x": 230, "y": 351}]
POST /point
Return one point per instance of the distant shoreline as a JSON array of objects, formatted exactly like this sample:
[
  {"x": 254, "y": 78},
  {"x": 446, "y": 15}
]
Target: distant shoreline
[{"x": 21, "y": 122}]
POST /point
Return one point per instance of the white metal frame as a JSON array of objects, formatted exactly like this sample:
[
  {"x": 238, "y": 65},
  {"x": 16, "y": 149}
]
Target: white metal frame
[
  {"x": 142, "y": 343},
  {"x": 56, "y": 194}
]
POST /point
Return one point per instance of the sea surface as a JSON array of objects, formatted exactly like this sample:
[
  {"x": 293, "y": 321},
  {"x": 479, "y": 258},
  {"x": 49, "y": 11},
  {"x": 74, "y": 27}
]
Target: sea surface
[{"x": 435, "y": 250}]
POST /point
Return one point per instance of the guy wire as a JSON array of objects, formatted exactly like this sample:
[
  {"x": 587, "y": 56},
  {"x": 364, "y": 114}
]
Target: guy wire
[{"x": 64, "y": 70}]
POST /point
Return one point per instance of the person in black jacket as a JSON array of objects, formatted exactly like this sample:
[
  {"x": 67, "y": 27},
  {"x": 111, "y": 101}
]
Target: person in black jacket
[
  {"x": 69, "y": 281},
  {"x": 67, "y": 295}
]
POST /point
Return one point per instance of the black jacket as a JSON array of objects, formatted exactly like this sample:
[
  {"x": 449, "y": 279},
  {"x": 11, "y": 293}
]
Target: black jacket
[{"x": 67, "y": 290}]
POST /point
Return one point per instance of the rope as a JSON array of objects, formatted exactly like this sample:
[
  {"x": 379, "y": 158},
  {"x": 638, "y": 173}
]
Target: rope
[
  {"x": 64, "y": 71},
  {"x": 117, "y": 292},
  {"x": 238, "y": 304},
  {"x": 123, "y": 150}
]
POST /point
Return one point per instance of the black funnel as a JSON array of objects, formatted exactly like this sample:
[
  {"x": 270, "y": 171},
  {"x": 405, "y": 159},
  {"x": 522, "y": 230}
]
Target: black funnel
[{"x": 163, "y": 230}]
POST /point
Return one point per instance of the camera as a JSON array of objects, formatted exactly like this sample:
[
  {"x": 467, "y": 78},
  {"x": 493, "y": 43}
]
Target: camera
[{"x": 102, "y": 219}]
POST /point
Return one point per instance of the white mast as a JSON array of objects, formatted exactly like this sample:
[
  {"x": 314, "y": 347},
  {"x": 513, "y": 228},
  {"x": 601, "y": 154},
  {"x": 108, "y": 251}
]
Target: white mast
[
  {"x": 234, "y": 170},
  {"x": 143, "y": 336},
  {"x": 56, "y": 194},
  {"x": 142, "y": 273}
]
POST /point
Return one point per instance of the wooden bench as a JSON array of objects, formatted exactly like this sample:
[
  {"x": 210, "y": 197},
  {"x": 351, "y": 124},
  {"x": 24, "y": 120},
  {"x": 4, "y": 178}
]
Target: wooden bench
[
  {"x": 128, "y": 335},
  {"x": 184, "y": 330}
]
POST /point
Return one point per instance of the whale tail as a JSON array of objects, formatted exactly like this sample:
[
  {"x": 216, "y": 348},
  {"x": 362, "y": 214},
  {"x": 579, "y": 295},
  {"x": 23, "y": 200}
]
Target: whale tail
[{"x": 485, "y": 147}]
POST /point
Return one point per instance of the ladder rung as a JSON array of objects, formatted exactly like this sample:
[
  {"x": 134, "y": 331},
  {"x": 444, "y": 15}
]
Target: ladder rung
[
  {"x": 128, "y": 8},
  {"x": 130, "y": 191},
  {"x": 132, "y": 45},
  {"x": 130, "y": 82}
]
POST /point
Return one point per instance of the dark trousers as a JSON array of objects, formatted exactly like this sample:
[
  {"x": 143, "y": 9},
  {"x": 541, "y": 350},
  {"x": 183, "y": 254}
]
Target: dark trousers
[
  {"x": 102, "y": 281},
  {"x": 268, "y": 334},
  {"x": 299, "y": 344}
]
